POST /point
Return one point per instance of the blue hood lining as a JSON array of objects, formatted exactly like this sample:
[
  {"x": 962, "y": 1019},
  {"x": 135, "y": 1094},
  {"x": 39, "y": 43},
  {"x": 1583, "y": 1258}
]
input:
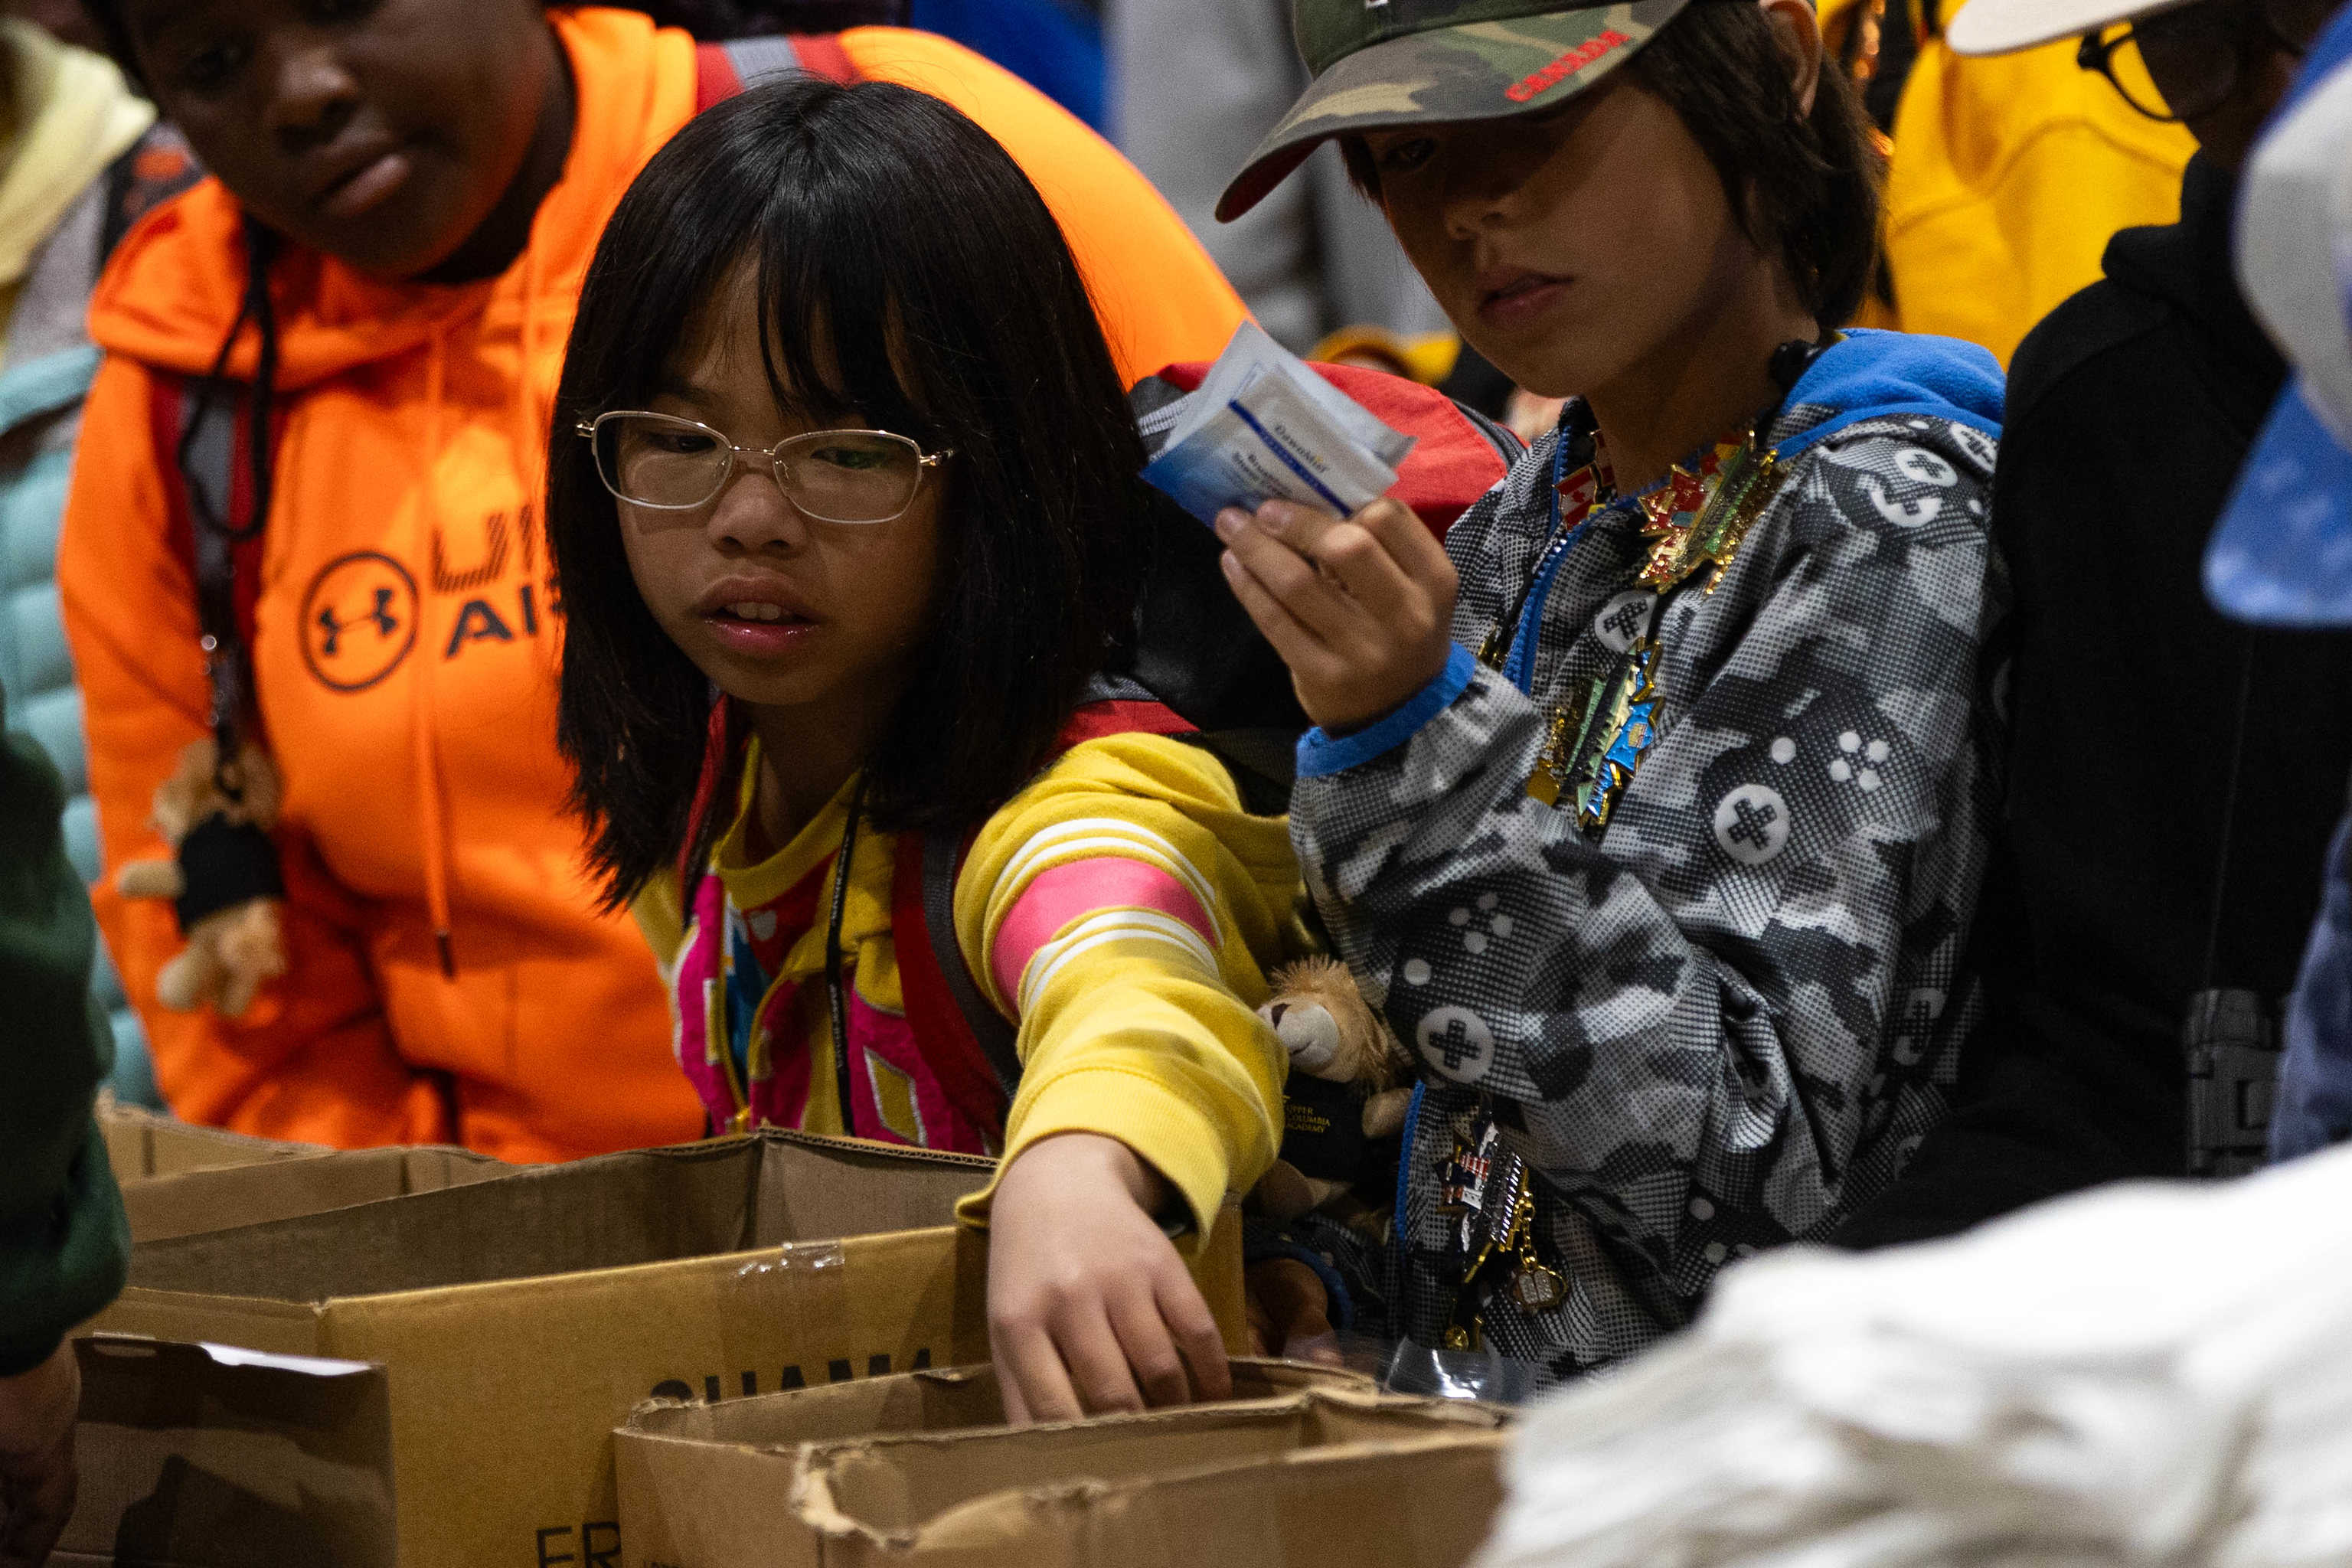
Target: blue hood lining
[{"x": 1874, "y": 374}]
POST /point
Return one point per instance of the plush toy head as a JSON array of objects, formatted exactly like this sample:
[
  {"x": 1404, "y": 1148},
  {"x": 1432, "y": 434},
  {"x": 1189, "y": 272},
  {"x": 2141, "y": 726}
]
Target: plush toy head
[
  {"x": 224, "y": 880},
  {"x": 193, "y": 792},
  {"x": 1345, "y": 1068},
  {"x": 1329, "y": 1030}
]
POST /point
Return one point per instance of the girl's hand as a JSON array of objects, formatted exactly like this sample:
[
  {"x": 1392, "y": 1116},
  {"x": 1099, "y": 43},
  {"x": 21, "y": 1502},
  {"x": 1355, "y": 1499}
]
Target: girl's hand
[
  {"x": 1090, "y": 1308},
  {"x": 1359, "y": 608}
]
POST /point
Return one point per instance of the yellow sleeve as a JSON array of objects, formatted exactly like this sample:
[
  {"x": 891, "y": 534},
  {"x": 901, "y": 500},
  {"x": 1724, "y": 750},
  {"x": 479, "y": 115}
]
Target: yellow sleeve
[
  {"x": 659, "y": 909},
  {"x": 1133, "y": 1022}
]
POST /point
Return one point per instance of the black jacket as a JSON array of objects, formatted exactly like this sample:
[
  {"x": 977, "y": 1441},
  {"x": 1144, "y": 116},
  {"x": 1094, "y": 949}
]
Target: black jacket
[{"x": 2125, "y": 875}]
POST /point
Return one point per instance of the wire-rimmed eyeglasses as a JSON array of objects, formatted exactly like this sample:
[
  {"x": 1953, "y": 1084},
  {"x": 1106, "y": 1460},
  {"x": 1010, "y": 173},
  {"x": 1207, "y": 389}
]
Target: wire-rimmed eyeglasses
[{"x": 673, "y": 464}]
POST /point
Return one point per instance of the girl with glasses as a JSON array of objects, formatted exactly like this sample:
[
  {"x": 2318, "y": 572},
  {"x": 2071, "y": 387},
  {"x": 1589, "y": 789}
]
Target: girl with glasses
[{"x": 848, "y": 537}]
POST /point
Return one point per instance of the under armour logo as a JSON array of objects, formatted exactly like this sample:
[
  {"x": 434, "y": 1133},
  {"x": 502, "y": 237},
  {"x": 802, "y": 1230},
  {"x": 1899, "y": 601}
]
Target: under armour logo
[
  {"x": 352, "y": 593},
  {"x": 1752, "y": 824},
  {"x": 1457, "y": 1043},
  {"x": 380, "y": 614}
]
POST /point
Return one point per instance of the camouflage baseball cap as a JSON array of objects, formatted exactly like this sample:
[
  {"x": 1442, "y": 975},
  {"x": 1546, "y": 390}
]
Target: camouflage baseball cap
[{"x": 1416, "y": 62}]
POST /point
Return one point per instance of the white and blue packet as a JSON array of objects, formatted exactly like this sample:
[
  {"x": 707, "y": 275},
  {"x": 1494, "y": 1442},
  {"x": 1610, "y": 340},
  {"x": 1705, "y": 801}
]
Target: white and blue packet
[{"x": 1262, "y": 426}]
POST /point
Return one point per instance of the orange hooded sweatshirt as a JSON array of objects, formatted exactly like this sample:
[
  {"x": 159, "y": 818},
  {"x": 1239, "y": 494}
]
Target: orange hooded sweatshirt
[{"x": 403, "y": 641}]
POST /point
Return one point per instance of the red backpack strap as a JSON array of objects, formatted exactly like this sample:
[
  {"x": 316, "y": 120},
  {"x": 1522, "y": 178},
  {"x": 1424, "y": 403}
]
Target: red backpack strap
[
  {"x": 723, "y": 69},
  {"x": 965, "y": 1039}
]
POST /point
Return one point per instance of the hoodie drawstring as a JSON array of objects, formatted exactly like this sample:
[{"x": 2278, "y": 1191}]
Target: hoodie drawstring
[
  {"x": 434, "y": 848},
  {"x": 530, "y": 417}
]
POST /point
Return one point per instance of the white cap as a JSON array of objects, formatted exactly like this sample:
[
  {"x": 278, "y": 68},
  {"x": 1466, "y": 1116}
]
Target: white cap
[{"x": 1999, "y": 26}]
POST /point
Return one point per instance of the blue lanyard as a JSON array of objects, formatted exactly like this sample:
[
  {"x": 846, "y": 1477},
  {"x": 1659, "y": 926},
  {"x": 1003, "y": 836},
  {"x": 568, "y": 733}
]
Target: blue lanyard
[{"x": 1519, "y": 664}]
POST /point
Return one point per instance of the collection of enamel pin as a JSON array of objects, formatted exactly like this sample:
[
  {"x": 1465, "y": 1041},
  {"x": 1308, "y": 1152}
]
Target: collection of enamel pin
[
  {"x": 1597, "y": 738},
  {"x": 1694, "y": 520}
]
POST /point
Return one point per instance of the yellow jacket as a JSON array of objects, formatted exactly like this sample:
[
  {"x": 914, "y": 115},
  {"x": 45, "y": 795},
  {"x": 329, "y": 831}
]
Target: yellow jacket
[
  {"x": 1122, "y": 911},
  {"x": 2008, "y": 178}
]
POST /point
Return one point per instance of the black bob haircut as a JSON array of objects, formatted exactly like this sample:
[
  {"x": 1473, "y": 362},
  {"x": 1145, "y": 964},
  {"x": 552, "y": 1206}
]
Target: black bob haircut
[
  {"x": 882, "y": 224},
  {"x": 1804, "y": 186}
]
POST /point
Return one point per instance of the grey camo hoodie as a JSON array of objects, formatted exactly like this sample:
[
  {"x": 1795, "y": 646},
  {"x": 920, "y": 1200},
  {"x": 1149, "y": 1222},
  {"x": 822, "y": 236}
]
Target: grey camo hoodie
[{"x": 1724, "y": 1023}]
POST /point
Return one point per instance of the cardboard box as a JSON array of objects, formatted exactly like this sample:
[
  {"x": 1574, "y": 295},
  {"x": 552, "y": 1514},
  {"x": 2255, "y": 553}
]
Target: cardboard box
[
  {"x": 179, "y": 1179},
  {"x": 940, "y": 1399},
  {"x": 224, "y": 1197},
  {"x": 205, "y": 1457},
  {"x": 522, "y": 1319},
  {"x": 1322, "y": 1477},
  {"x": 143, "y": 1144}
]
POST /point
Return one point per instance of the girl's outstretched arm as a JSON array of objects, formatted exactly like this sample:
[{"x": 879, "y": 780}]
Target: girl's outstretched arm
[{"x": 1122, "y": 909}]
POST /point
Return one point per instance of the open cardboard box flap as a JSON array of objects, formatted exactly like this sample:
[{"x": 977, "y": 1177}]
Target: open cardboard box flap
[
  {"x": 1088, "y": 1494},
  {"x": 141, "y": 1143},
  {"x": 645, "y": 1206},
  {"x": 226, "y": 1197},
  {"x": 197, "y": 1455}
]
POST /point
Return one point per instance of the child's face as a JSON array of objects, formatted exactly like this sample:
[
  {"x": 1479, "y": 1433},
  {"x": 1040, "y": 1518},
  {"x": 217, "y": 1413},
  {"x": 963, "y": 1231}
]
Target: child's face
[
  {"x": 380, "y": 132},
  {"x": 852, "y": 596},
  {"x": 1571, "y": 248}
]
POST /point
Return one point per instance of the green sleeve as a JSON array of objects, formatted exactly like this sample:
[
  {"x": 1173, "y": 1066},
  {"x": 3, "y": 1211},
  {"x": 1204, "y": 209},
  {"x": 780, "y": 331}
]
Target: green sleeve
[{"x": 64, "y": 1244}]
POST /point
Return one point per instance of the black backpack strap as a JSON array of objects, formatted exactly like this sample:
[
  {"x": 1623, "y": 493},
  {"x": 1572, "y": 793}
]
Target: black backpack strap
[
  {"x": 997, "y": 1038},
  {"x": 208, "y": 467},
  {"x": 156, "y": 167}
]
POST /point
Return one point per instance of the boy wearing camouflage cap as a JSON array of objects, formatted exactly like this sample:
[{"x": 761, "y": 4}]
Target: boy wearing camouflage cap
[{"x": 1654, "y": 816}]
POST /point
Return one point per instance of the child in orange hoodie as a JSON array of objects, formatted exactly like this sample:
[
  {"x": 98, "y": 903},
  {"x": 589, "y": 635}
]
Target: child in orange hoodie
[{"x": 407, "y": 193}]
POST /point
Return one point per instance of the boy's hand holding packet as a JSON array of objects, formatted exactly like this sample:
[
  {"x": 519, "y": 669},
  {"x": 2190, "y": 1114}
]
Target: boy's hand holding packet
[{"x": 1349, "y": 588}]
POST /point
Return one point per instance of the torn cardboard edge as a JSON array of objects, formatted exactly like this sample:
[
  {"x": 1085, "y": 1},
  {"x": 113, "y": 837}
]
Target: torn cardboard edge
[
  {"x": 932, "y": 1400},
  {"x": 204, "y": 1456},
  {"x": 892, "y": 1490},
  {"x": 1108, "y": 1490},
  {"x": 752, "y": 1193}
]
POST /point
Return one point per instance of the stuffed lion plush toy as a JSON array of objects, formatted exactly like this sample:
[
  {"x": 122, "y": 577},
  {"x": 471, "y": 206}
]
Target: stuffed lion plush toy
[
  {"x": 1347, "y": 1085},
  {"x": 224, "y": 880}
]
